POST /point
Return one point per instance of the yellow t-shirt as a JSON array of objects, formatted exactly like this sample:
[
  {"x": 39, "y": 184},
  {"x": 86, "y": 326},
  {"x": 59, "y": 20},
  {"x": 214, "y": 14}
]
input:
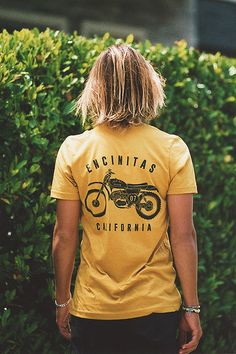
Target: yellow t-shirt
[{"x": 122, "y": 179}]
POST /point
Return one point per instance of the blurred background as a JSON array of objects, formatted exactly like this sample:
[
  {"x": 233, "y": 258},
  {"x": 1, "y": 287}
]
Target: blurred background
[{"x": 208, "y": 25}]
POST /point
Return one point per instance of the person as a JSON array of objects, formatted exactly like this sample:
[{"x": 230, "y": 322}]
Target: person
[{"x": 131, "y": 186}]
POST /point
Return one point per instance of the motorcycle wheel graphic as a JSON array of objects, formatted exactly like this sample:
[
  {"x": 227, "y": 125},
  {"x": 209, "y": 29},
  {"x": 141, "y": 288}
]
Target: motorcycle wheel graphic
[
  {"x": 149, "y": 205},
  {"x": 94, "y": 204}
]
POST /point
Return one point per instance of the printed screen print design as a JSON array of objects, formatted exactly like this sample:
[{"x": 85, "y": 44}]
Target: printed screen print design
[{"x": 143, "y": 196}]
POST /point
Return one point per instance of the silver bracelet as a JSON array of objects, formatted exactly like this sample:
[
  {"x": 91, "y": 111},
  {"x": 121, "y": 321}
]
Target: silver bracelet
[
  {"x": 193, "y": 308},
  {"x": 63, "y": 305}
]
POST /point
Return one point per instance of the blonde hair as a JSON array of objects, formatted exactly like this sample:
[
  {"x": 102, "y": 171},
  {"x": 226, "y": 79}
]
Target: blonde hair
[{"x": 122, "y": 89}]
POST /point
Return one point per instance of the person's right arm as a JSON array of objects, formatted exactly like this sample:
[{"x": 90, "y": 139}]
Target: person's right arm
[{"x": 184, "y": 248}]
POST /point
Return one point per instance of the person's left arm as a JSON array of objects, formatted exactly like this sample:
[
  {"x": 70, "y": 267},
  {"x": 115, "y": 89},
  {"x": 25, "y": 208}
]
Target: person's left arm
[{"x": 64, "y": 247}]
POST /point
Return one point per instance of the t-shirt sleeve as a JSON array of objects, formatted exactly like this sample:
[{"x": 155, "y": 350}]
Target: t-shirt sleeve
[
  {"x": 64, "y": 185},
  {"x": 182, "y": 175}
]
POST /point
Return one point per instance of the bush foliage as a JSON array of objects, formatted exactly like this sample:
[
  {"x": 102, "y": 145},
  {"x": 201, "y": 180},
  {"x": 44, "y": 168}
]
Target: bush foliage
[{"x": 41, "y": 75}]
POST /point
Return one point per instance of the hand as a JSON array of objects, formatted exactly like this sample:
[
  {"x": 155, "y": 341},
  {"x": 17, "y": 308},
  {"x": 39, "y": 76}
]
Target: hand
[
  {"x": 189, "y": 323},
  {"x": 63, "y": 321}
]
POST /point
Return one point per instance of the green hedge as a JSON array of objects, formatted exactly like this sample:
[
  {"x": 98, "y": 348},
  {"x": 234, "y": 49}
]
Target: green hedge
[{"x": 41, "y": 75}]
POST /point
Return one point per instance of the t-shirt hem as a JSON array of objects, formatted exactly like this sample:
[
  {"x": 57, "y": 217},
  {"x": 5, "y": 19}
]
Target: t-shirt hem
[
  {"x": 124, "y": 315},
  {"x": 182, "y": 190},
  {"x": 62, "y": 195}
]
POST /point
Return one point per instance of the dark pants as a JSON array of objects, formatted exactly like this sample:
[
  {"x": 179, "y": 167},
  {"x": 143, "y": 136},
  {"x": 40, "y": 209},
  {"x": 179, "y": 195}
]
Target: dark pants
[{"x": 152, "y": 334}]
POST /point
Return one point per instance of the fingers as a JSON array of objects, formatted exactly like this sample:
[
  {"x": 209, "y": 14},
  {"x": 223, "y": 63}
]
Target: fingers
[
  {"x": 65, "y": 330},
  {"x": 187, "y": 350},
  {"x": 63, "y": 324},
  {"x": 192, "y": 345}
]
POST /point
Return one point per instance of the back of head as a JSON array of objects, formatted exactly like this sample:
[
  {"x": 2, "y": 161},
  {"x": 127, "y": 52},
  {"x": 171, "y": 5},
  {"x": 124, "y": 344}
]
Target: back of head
[{"x": 122, "y": 89}]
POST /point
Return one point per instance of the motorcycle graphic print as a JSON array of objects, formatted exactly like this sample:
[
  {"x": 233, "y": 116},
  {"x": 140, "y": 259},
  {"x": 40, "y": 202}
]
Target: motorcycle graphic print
[{"x": 143, "y": 196}]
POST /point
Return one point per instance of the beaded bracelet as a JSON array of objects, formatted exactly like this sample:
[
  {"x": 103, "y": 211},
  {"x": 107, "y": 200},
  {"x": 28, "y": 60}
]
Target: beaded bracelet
[
  {"x": 65, "y": 304},
  {"x": 194, "y": 308}
]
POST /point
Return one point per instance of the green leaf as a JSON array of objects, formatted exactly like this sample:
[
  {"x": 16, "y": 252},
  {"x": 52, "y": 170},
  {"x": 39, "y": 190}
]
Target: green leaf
[
  {"x": 34, "y": 168},
  {"x": 5, "y": 316},
  {"x": 130, "y": 38},
  {"x": 69, "y": 107}
]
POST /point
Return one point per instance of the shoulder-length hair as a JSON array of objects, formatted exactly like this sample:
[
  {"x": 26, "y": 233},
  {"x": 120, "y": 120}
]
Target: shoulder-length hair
[{"x": 122, "y": 89}]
